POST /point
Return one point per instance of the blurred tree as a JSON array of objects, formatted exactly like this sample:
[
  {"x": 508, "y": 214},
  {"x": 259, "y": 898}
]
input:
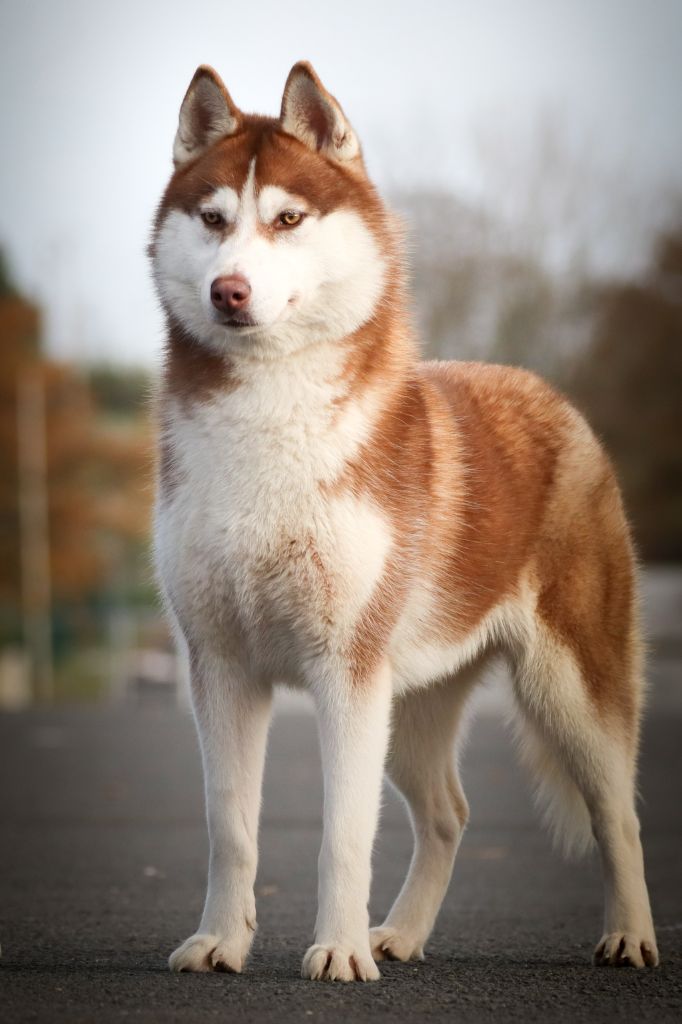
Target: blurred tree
[
  {"x": 479, "y": 294},
  {"x": 19, "y": 348},
  {"x": 98, "y": 483},
  {"x": 629, "y": 383},
  {"x": 98, "y": 471}
]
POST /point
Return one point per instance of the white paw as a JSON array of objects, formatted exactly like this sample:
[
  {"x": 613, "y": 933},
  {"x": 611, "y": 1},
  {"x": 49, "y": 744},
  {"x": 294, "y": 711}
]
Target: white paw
[
  {"x": 626, "y": 949},
  {"x": 339, "y": 963},
  {"x": 394, "y": 944},
  {"x": 209, "y": 953}
]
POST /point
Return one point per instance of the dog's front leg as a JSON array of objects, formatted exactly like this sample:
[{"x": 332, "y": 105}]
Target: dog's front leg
[
  {"x": 232, "y": 715},
  {"x": 354, "y": 722}
]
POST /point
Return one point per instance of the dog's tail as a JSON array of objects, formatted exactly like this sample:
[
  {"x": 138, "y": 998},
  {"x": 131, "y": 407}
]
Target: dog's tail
[
  {"x": 582, "y": 755},
  {"x": 560, "y": 802}
]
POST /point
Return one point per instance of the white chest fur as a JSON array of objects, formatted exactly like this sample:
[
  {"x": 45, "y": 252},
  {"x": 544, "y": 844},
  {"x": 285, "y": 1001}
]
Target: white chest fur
[{"x": 258, "y": 553}]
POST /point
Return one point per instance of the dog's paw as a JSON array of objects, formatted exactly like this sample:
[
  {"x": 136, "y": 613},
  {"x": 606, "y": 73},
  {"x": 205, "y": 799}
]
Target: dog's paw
[
  {"x": 208, "y": 953},
  {"x": 338, "y": 963},
  {"x": 394, "y": 944},
  {"x": 625, "y": 949}
]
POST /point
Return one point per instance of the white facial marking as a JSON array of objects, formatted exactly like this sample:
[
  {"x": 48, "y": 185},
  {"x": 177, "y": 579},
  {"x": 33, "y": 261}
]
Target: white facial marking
[
  {"x": 247, "y": 217},
  {"x": 224, "y": 201},
  {"x": 273, "y": 200},
  {"x": 317, "y": 281}
]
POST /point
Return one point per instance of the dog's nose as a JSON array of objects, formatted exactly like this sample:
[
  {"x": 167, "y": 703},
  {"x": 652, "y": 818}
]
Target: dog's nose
[{"x": 229, "y": 294}]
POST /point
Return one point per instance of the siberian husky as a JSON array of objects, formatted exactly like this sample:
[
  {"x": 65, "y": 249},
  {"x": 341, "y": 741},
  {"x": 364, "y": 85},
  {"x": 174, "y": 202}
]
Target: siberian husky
[{"x": 337, "y": 515}]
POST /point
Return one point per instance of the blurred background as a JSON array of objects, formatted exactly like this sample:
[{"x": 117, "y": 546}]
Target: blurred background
[{"x": 534, "y": 151}]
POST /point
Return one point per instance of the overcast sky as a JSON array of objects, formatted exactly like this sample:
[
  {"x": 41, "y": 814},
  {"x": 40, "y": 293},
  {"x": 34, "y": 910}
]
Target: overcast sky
[{"x": 89, "y": 94}]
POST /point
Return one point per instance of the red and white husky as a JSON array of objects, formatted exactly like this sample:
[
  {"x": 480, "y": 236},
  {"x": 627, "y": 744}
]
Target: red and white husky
[{"x": 337, "y": 515}]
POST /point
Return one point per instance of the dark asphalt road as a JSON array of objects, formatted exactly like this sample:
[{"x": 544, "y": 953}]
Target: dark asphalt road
[{"x": 102, "y": 862}]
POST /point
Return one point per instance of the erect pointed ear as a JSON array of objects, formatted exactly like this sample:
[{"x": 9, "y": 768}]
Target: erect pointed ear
[
  {"x": 313, "y": 116},
  {"x": 206, "y": 115}
]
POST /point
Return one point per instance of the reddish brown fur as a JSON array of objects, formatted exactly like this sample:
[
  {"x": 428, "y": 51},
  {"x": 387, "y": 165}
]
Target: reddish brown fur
[
  {"x": 486, "y": 474},
  {"x": 500, "y": 434},
  {"x": 496, "y": 518}
]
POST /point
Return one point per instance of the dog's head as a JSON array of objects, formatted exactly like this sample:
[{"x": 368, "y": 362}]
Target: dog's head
[{"x": 269, "y": 235}]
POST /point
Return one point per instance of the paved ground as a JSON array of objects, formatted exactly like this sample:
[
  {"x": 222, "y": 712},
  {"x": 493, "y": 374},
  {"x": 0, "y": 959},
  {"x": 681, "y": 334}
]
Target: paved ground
[{"x": 102, "y": 861}]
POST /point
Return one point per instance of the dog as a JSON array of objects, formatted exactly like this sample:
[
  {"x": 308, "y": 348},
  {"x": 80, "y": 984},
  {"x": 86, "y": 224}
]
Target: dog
[{"x": 337, "y": 515}]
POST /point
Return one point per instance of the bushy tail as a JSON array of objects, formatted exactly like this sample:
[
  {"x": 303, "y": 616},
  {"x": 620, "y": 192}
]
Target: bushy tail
[{"x": 559, "y": 800}]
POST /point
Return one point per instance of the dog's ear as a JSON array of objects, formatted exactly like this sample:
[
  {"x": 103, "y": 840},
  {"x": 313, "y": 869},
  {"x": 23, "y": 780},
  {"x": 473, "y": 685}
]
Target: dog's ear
[
  {"x": 313, "y": 116},
  {"x": 206, "y": 115}
]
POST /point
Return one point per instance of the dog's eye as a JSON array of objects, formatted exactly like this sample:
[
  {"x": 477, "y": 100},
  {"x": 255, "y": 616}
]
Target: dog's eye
[
  {"x": 290, "y": 218},
  {"x": 212, "y": 218}
]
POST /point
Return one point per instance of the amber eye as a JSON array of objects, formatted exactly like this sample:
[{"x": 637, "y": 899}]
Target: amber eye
[
  {"x": 290, "y": 218},
  {"x": 212, "y": 218}
]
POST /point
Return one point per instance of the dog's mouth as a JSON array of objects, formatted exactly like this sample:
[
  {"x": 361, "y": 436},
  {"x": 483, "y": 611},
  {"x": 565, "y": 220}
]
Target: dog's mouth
[
  {"x": 238, "y": 322},
  {"x": 243, "y": 321}
]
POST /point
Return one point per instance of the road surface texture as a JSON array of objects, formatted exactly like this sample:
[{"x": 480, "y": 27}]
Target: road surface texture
[{"x": 102, "y": 866}]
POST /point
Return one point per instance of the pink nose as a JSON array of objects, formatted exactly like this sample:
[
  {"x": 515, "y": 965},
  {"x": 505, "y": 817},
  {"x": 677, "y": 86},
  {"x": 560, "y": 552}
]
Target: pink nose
[{"x": 229, "y": 294}]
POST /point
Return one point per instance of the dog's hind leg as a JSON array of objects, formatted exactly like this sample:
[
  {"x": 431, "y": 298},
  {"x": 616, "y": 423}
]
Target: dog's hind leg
[
  {"x": 422, "y": 766},
  {"x": 579, "y": 729}
]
